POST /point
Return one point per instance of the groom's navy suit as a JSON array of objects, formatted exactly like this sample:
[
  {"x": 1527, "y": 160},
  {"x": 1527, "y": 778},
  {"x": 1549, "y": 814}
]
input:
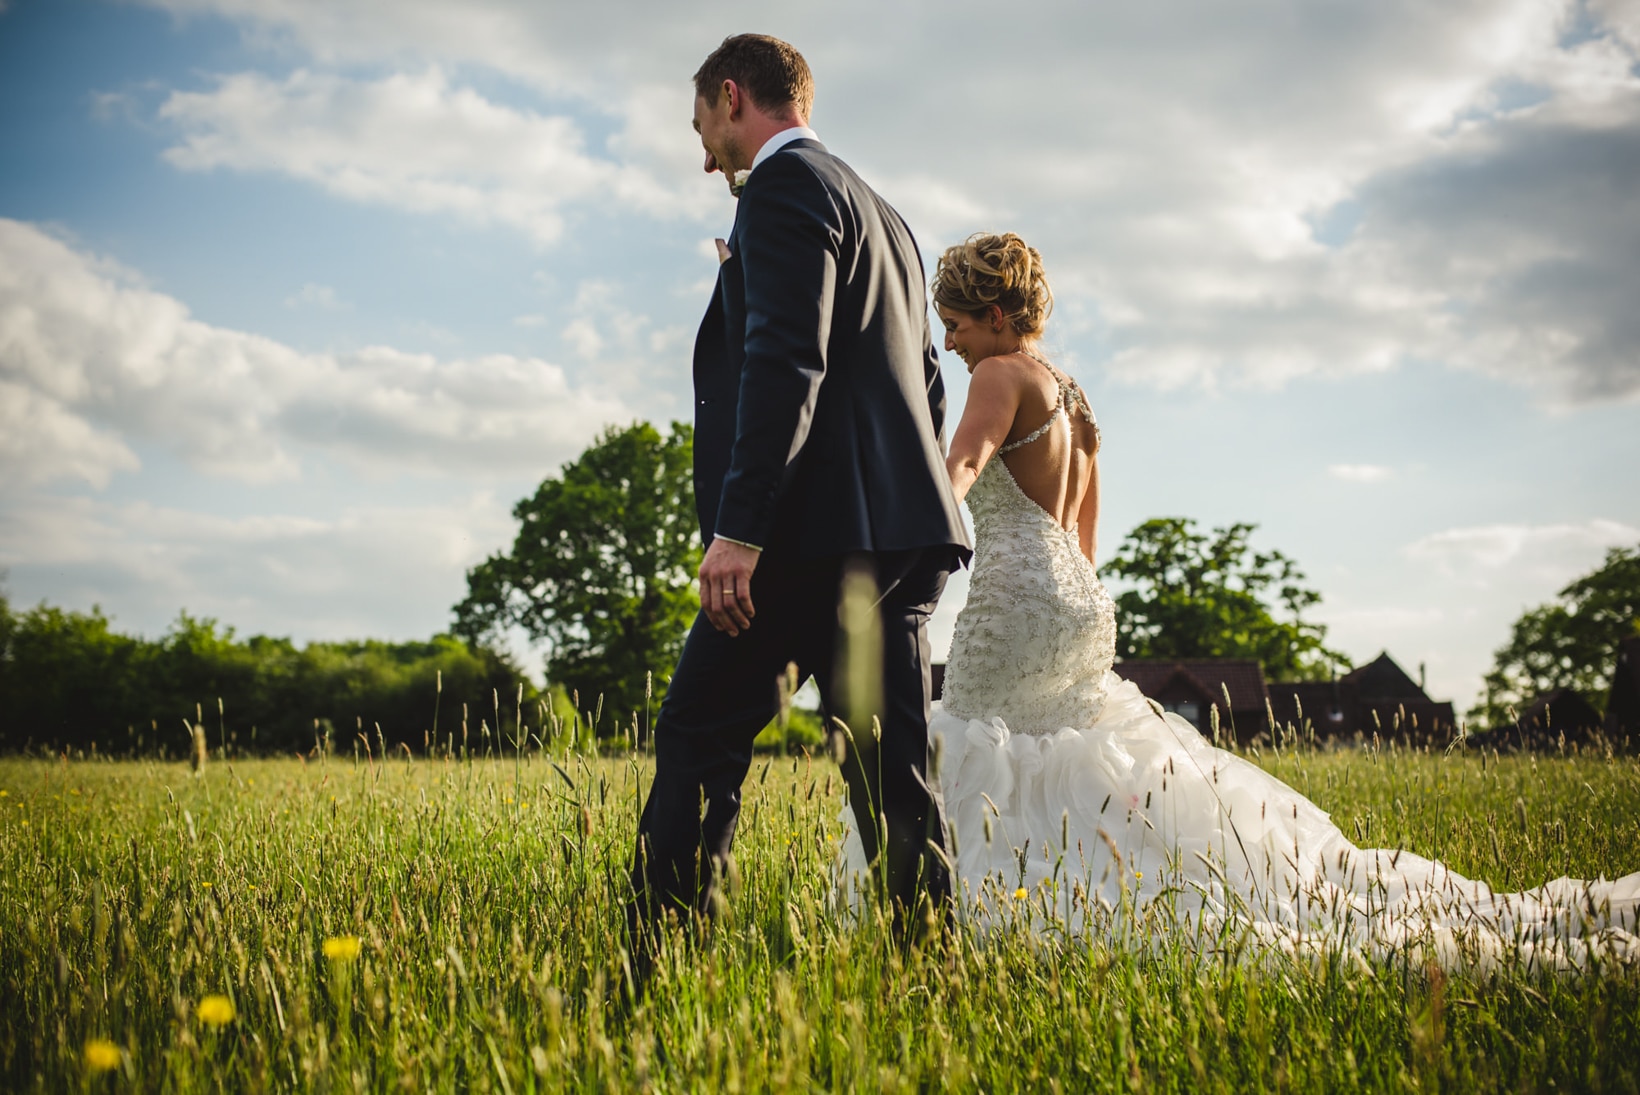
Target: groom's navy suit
[{"x": 819, "y": 424}]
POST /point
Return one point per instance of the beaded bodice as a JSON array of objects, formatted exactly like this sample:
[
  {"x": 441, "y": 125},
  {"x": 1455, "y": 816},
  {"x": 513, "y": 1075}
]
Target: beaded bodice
[{"x": 1038, "y": 634}]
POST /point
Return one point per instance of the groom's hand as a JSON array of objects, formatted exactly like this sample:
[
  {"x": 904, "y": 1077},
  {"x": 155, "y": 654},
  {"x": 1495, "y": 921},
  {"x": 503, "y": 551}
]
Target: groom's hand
[{"x": 726, "y": 585}]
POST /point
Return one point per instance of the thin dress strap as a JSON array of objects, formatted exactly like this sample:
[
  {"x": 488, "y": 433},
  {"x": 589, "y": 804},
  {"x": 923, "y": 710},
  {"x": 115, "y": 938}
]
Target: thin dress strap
[
  {"x": 1071, "y": 400},
  {"x": 1038, "y": 433}
]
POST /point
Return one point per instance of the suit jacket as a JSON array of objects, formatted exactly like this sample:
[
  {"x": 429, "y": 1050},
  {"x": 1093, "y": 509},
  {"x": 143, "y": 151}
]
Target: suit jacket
[{"x": 819, "y": 408}]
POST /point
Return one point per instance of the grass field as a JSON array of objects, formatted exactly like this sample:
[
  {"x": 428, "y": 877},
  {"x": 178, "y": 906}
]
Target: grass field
[{"x": 448, "y": 925}]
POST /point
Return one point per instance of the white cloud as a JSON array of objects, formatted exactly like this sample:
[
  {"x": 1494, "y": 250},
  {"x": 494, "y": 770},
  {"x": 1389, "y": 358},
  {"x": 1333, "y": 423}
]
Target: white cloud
[
  {"x": 1174, "y": 164},
  {"x": 636, "y": 358},
  {"x": 41, "y": 440},
  {"x": 89, "y": 359},
  {"x": 1622, "y": 17},
  {"x": 1549, "y": 555},
  {"x": 366, "y": 571},
  {"x": 414, "y": 142},
  {"x": 1360, "y": 473},
  {"x": 320, "y": 297}
]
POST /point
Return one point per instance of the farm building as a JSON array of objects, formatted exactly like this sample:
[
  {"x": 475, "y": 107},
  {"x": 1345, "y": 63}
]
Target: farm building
[
  {"x": 1377, "y": 698},
  {"x": 1195, "y": 687}
]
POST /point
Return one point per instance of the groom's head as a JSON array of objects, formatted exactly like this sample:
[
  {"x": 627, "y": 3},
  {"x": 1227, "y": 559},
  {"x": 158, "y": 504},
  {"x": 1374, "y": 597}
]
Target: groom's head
[{"x": 750, "y": 88}]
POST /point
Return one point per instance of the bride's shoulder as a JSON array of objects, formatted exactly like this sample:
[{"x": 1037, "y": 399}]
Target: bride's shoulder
[
  {"x": 1014, "y": 372},
  {"x": 1009, "y": 366}
]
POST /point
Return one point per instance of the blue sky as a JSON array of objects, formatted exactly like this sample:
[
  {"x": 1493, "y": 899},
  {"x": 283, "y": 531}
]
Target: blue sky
[{"x": 298, "y": 297}]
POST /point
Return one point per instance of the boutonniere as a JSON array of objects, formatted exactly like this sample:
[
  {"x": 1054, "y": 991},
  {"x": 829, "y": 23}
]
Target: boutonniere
[{"x": 737, "y": 181}]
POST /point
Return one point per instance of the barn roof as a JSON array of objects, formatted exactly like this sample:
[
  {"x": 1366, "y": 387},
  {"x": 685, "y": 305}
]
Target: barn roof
[
  {"x": 1382, "y": 679},
  {"x": 1243, "y": 677}
]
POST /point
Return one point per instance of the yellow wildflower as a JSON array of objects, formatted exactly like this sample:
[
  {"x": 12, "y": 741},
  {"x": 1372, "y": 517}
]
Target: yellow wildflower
[
  {"x": 1138, "y": 876},
  {"x": 1020, "y": 894},
  {"x": 101, "y": 1055},
  {"x": 342, "y": 948},
  {"x": 215, "y": 1010}
]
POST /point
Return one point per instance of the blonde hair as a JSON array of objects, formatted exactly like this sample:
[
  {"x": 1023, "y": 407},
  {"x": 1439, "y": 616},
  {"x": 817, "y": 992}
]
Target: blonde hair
[{"x": 1003, "y": 270}]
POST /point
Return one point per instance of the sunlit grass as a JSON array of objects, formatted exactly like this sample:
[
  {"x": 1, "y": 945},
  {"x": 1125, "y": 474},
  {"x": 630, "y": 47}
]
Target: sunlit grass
[{"x": 436, "y": 924}]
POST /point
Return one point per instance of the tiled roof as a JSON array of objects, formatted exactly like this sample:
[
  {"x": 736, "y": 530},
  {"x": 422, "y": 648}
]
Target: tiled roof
[
  {"x": 1382, "y": 679},
  {"x": 1562, "y": 709},
  {"x": 1243, "y": 677}
]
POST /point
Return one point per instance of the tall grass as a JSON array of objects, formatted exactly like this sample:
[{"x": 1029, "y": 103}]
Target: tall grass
[{"x": 485, "y": 899}]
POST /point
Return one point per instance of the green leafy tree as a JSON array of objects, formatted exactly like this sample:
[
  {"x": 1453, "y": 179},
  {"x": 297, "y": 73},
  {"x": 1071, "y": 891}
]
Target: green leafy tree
[
  {"x": 603, "y": 569},
  {"x": 1571, "y": 642},
  {"x": 69, "y": 680},
  {"x": 1195, "y": 595}
]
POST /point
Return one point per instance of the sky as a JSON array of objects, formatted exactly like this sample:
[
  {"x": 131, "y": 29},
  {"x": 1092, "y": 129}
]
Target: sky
[{"x": 299, "y": 297}]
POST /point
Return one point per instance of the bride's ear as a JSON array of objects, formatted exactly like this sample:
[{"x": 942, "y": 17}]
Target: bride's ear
[{"x": 994, "y": 317}]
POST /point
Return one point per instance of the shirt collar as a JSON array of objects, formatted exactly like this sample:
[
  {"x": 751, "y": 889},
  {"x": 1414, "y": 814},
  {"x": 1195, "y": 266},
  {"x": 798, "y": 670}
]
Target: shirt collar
[{"x": 781, "y": 140}]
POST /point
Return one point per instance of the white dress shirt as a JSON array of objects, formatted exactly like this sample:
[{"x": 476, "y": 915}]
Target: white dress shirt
[{"x": 781, "y": 140}]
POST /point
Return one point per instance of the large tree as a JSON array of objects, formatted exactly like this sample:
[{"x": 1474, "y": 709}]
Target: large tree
[
  {"x": 1195, "y": 595},
  {"x": 1571, "y": 642},
  {"x": 603, "y": 568}
]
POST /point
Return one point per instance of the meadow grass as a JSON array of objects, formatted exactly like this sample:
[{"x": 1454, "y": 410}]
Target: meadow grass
[{"x": 443, "y": 924}]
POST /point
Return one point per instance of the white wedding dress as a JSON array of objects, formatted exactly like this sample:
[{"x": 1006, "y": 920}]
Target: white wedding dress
[{"x": 1073, "y": 802}]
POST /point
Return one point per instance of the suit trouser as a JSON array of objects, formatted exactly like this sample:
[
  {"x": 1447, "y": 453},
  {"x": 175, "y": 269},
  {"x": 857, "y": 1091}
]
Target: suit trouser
[{"x": 725, "y": 690}]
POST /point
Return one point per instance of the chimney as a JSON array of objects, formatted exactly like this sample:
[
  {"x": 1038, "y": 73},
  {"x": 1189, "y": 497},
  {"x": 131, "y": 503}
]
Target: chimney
[{"x": 1422, "y": 687}]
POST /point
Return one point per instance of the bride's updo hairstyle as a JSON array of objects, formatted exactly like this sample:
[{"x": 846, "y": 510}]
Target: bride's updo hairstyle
[{"x": 1004, "y": 270}]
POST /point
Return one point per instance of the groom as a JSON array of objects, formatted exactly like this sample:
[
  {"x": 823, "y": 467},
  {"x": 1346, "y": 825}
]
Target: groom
[{"x": 819, "y": 454}]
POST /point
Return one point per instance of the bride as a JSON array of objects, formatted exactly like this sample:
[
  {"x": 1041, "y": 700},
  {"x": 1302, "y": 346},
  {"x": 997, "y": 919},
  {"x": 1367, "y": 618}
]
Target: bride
[{"x": 1071, "y": 800}]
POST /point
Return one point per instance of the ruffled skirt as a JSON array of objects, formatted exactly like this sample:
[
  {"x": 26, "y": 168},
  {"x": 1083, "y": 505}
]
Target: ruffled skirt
[{"x": 1138, "y": 828}]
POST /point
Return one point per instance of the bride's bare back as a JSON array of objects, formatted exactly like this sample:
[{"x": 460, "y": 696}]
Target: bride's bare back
[{"x": 1036, "y": 420}]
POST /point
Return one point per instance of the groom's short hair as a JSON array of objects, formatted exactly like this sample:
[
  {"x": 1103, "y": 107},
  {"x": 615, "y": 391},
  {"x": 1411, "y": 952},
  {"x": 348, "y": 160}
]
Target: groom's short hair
[{"x": 772, "y": 72}]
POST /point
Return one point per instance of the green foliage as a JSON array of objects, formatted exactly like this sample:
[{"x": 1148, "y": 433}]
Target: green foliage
[
  {"x": 801, "y": 730},
  {"x": 1571, "y": 642},
  {"x": 486, "y": 899},
  {"x": 603, "y": 569},
  {"x": 68, "y": 680},
  {"x": 1200, "y": 596}
]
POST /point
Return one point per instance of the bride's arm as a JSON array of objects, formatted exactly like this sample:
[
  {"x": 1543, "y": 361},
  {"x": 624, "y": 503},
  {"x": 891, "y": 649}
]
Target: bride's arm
[
  {"x": 993, "y": 401},
  {"x": 1087, "y": 515}
]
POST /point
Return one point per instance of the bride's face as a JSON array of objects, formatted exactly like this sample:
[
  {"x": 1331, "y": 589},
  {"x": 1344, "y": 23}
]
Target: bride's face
[{"x": 971, "y": 338}]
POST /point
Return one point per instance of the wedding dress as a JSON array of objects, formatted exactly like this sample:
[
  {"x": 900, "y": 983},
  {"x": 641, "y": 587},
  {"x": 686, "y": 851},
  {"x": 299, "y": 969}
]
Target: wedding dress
[{"x": 1074, "y": 802}]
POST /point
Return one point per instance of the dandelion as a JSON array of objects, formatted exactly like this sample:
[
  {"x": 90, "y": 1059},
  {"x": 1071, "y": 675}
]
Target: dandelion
[
  {"x": 342, "y": 948},
  {"x": 1020, "y": 894},
  {"x": 101, "y": 1055},
  {"x": 1138, "y": 876},
  {"x": 215, "y": 1010}
]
